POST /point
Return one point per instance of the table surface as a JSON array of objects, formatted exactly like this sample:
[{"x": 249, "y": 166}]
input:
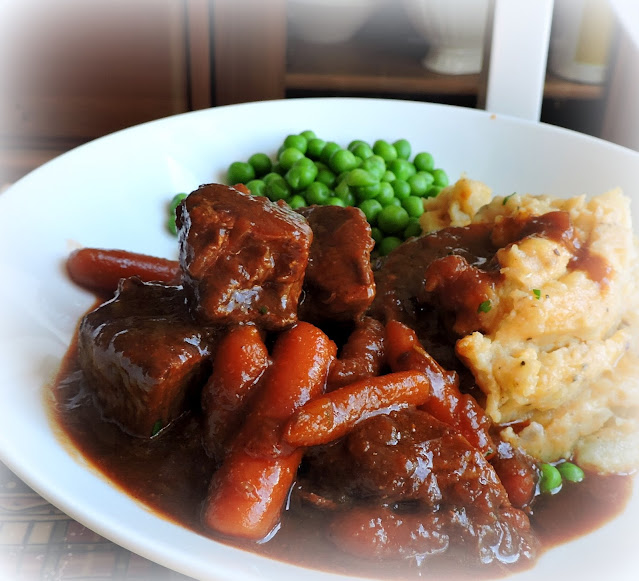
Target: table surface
[{"x": 38, "y": 542}]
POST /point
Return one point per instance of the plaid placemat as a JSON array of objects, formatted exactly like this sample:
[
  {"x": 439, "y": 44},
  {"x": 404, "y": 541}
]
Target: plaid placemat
[{"x": 38, "y": 542}]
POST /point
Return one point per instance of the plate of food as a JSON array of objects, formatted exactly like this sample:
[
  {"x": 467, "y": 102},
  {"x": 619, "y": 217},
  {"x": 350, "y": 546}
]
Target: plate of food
[{"x": 331, "y": 339}]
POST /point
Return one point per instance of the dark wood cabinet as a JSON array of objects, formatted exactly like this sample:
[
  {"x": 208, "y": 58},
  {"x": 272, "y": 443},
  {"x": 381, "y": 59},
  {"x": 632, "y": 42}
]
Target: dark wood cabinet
[{"x": 73, "y": 70}]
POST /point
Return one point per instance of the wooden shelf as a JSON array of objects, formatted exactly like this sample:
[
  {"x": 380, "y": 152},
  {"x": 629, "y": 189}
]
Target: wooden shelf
[
  {"x": 369, "y": 67},
  {"x": 562, "y": 89},
  {"x": 358, "y": 66}
]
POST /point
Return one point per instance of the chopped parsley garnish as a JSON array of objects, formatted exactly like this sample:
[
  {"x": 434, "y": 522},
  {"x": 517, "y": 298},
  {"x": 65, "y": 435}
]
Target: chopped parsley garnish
[
  {"x": 505, "y": 200},
  {"x": 484, "y": 307},
  {"x": 537, "y": 293},
  {"x": 263, "y": 310},
  {"x": 157, "y": 426}
]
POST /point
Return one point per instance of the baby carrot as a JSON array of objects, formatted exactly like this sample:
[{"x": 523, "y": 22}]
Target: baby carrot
[
  {"x": 247, "y": 494},
  {"x": 240, "y": 360},
  {"x": 446, "y": 402},
  {"x": 100, "y": 270},
  {"x": 332, "y": 415}
]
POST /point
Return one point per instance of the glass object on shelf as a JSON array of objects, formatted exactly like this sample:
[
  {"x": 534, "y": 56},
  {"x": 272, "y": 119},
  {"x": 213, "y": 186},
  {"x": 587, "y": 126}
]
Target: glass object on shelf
[
  {"x": 454, "y": 30},
  {"x": 580, "y": 40}
]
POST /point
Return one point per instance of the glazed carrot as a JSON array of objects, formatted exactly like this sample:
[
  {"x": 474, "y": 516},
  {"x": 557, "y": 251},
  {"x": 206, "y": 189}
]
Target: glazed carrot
[
  {"x": 100, "y": 270},
  {"x": 446, "y": 402},
  {"x": 332, "y": 415},
  {"x": 240, "y": 360},
  {"x": 362, "y": 356},
  {"x": 247, "y": 494}
]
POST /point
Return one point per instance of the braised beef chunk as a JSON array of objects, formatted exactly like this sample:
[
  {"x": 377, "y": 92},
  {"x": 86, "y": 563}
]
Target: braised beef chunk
[
  {"x": 402, "y": 277},
  {"x": 339, "y": 283},
  {"x": 420, "y": 470},
  {"x": 243, "y": 257},
  {"x": 430, "y": 282},
  {"x": 142, "y": 353}
]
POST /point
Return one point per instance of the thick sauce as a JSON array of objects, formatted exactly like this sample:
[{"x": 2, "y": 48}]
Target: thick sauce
[
  {"x": 171, "y": 472},
  {"x": 170, "y": 475}
]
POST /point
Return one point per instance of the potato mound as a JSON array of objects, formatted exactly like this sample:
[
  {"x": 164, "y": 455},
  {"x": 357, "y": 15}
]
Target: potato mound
[{"x": 558, "y": 355}]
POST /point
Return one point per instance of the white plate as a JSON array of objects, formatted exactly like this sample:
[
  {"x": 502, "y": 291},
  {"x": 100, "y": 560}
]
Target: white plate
[{"x": 112, "y": 193}]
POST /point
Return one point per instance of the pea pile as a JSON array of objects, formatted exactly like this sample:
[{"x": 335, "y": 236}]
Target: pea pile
[{"x": 380, "y": 179}]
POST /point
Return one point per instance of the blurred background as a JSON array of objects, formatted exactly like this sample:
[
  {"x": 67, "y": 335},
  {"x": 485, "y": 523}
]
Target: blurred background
[{"x": 74, "y": 70}]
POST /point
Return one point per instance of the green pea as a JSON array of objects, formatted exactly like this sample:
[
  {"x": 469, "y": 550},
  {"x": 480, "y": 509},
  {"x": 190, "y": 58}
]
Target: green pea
[
  {"x": 171, "y": 224},
  {"x": 424, "y": 161},
  {"x": 392, "y": 219},
  {"x": 362, "y": 150},
  {"x": 388, "y": 244},
  {"x": 317, "y": 193},
  {"x": 176, "y": 201},
  {"x": 349, "y": 198},
  {"x": 386, "y": 194},
  {"x": 306, "y": 162},
  {"x": 368, "y": 192},
  {"x": 309, "y": 134},
  {"x": 394, "y": 202},
  {"x": 571, "y": 472},
  {"x": 270, "y": 176},
  {"x": 402, "y": 168},
  {"x": 315, "y": 148},
  {"x": 341, "y": 177},
  {"x": 298, "y": 142},
  {"x": 240, "y": 172},
  {"x": 261, "y": 163},
  {"x": 419, "y": 183},
  {"x": 257, "y": 187},
  {"x": 413, "y": 229},
  {"x": 401, "y": 188},
  {"x": 403, "y": 148},
  {"x": 288, "y": 157},
  {"x": 375, "y": 165},
  {"x": 301, "y": 175},
  {"x": 359, "y": 177},
  {"x": 550, "y": 480},
  {"x": 355, "y": 144},
  {"x": 296, "y": 202},
  {"x": 440, "y": 178},
  {"x": 279, "y": 169},
  {"x": 329, "y": 149},
  {"x": 389, "y": 176},
  {"x": 342, "y": 190},
  {"x": 325, "y": 176},
  {"x": 376, "y": 234},
  {"x": 277, "y": 189},
  {"x": 342, "y": 160},
  {"x": 433, "y": 191},
  {"x": 385, "y": 150},
  {"x": 414, "y": 206},
  {"x": 371, "y": 209},
  {"x": 335, "y": 201}
]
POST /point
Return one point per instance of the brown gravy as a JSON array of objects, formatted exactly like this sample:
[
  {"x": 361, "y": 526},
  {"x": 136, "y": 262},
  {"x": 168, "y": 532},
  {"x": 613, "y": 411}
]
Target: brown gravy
[{"x": 170, "y": 475}]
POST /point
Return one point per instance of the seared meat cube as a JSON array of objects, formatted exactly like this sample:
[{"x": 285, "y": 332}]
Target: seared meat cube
[
  {"x": 411, "y": 456},
  {"x": 339, "y": 283},
  {"x": 243, "y": 257},
  {"x": 142, "y": 353},
  {"x": 404, "y": 472}
]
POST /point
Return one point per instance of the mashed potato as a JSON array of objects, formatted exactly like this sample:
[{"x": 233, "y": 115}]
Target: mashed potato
[{"x": 558, "y": 354}]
